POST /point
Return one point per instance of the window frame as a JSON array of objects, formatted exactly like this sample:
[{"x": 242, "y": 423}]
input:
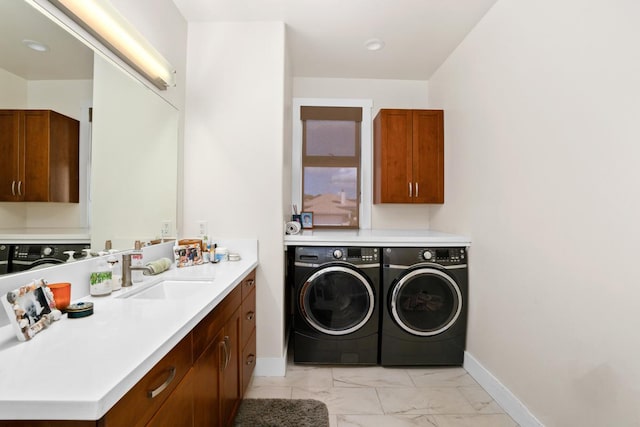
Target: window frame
[{"x": 366, "y": 151}]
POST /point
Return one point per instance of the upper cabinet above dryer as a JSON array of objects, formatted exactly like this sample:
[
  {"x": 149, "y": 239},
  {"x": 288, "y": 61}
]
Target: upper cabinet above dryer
[
  {"x": 40, "y": 161},
  {"x": 409, "y": 156}
]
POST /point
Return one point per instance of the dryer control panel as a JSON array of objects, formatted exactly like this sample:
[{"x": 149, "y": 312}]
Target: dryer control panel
[{"x": 411, "y": 256}]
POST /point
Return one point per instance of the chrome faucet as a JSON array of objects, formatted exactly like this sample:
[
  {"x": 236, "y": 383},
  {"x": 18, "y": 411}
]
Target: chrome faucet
[{"x": 127, "y": 268}]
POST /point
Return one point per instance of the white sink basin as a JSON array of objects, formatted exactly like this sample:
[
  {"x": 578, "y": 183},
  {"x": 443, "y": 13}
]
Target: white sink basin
[{"x": 170, "y": 290}]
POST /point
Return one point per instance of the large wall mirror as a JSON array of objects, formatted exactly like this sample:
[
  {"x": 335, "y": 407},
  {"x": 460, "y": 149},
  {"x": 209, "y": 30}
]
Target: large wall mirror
[{"x": 128, "y": 153}]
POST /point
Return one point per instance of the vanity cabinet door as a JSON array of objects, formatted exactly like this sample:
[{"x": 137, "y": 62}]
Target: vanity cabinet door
[
  {"x": 206, "y": 379},
  {"x": 230, "y": 394}
]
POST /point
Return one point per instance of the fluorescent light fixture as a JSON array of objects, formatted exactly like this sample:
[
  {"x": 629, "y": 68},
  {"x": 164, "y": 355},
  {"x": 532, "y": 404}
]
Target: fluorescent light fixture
[{"x": 105, "y": 23}]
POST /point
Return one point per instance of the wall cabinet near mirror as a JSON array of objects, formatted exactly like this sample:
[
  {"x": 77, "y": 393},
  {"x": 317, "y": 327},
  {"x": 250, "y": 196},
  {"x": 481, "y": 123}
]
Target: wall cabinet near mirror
[
  {"x": 40, "y": 156},
  {"x": 408, "y": 156}
]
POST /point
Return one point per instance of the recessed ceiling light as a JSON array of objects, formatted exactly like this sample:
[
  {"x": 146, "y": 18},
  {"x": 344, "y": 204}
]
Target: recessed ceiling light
[
  {"x": 374, "y": 44},
  {"x": 37, "y": 46}
]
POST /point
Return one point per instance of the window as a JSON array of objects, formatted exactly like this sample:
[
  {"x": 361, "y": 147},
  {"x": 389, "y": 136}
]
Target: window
[
  {"x": 326, "y": 144},
  {"x": 331, "y": 165}
]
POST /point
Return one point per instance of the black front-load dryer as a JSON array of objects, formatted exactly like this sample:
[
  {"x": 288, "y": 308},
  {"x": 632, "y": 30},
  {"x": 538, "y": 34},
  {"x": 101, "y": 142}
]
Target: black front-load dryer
[
  {"x": 424, "y": 320},
  {"x": 335, "y": 305}
]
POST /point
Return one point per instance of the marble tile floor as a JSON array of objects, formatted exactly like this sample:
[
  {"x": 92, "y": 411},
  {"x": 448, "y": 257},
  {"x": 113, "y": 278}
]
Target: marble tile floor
[{"x": 373, "y": 396}]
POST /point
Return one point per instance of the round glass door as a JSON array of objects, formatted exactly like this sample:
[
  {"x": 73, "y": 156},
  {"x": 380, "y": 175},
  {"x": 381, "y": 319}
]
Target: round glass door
[
  {"x": 336, "y": 300},
  {"x": 426, "y": 302}
]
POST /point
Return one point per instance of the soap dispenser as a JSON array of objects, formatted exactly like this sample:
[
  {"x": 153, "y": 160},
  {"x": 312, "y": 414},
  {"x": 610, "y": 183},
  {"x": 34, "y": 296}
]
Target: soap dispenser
[
  {"x": 100, "y": 281},
  {"x": 136, "y": 261}
]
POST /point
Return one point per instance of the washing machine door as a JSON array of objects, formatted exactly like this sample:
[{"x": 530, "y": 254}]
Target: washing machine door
[
  {"x": 425, "y": 301},
  {"x": 336, "y": 300}
]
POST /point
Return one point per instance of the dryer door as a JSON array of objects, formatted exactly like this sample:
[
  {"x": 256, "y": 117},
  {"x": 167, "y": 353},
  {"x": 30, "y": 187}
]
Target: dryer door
[
  {"x": 425, "y": 301},
  {"x": 336, "y": 300}
]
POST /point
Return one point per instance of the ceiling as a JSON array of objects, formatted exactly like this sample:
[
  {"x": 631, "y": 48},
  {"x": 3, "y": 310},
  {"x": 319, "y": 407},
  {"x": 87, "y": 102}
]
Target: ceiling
[
  {"x": 66, "y": 59},
  {"x": 326, "y": 37}
]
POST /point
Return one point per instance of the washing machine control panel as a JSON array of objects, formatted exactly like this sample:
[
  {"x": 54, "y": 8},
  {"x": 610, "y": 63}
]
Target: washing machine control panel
[{"x": 353, "y": 255}]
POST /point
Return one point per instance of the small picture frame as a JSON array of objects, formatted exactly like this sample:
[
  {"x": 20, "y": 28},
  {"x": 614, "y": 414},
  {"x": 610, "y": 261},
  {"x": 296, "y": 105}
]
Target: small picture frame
[
  {"x": 188, "y": 255},
  {"x": 306, "y": 220},
  {"x": 30, "y": 308}
]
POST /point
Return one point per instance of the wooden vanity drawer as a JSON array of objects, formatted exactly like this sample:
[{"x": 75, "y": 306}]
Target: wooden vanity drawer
[
  {"x": 248, "y": 284},
  {"x": 248, "y": 361},
  {"x": 248, "y": 317},
  {"x": 138, "y": 406}
]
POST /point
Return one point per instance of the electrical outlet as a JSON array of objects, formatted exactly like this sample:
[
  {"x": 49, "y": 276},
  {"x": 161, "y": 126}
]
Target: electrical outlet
[
  {"x": 165, "y": 229},
  {"x": 203, "y": 228}
]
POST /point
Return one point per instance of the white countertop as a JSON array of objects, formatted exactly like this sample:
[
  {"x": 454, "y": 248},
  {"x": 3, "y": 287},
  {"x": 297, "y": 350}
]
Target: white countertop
[
  {"x": 44, "y": 235},
  {"x": 384, "y": 238},
  {"x": 77, "y": 369}
]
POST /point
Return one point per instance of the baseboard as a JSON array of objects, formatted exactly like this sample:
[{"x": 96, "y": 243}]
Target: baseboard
[
  {"x": 272, "y": 366},
  {"x": 501, "y": 394}
]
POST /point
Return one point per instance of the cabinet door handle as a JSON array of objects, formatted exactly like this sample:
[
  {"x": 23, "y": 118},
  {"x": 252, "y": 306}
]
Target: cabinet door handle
[
  {"x": 153, "y": 393},
  {"x": 19, "y": 188},
  {"x": 250, "y": 283},
  {"x": 223, "y": 362},
  {"x": 250, "y": 315},
  {"x": 410, "y": 190},
  {"x": 227, "y": 351},
  {"x": 251, "y": 358},
  {"x": 13, "y": 187},
  {"x": 417, "y": 190}
]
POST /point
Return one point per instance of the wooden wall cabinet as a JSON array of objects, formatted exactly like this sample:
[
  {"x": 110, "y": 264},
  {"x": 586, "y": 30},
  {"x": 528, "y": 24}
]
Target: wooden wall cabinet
[
  {"x": 408, "y": 150},
  {"x": 40, "y": 161}
]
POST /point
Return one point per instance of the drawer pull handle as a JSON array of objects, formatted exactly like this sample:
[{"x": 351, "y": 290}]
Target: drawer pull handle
[
  {"x": 153, "y": 393},
  {"x": 250, "y": 282},
  {"x": 250, "y": 315},
  {"x": 250, "y": 359}
]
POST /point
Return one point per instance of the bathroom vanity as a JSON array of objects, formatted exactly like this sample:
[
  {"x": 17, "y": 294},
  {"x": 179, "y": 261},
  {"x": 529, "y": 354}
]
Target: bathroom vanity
[{"x": 178, "y": 350}]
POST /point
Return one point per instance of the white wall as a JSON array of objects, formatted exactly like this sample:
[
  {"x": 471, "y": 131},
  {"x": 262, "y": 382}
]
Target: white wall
[
  {"x": 384, "y": 94},
  {"x": 13, "y": 90},
  {"x": 234, "y": 151},
  {"x": 542, "y": 152}
]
